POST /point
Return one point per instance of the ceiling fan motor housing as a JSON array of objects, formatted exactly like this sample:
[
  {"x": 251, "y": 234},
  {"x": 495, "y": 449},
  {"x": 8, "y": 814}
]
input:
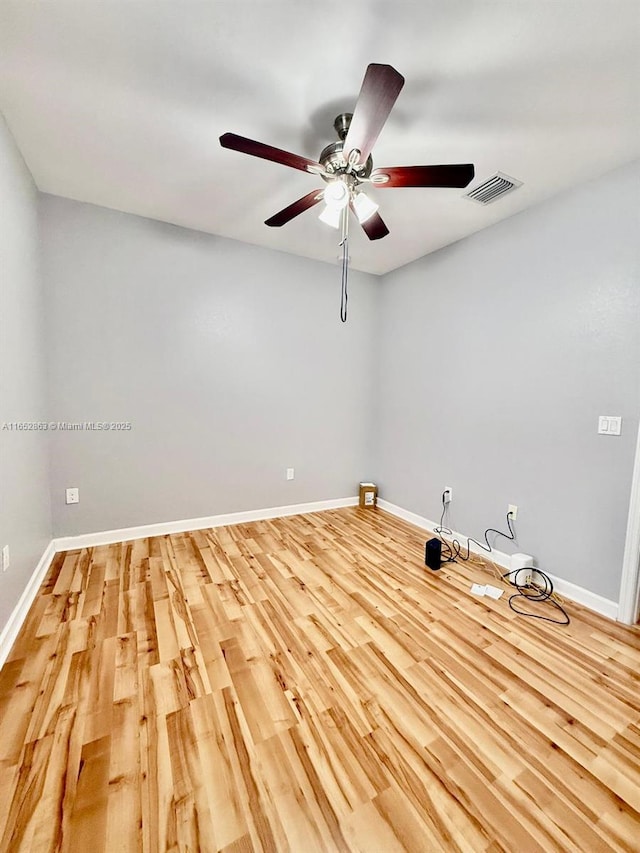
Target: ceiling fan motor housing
[{"x": 332, "y": 159}]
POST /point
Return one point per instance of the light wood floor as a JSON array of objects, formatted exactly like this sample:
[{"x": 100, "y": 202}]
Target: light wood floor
[{"x": 305, "y": 684}]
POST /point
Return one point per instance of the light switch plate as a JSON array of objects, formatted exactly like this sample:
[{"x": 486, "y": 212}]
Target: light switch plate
[{"x": 609, "y": 425}]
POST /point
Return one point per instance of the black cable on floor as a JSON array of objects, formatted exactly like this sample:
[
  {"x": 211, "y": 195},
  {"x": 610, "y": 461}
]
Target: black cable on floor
[{"x": 534, "y": 592}]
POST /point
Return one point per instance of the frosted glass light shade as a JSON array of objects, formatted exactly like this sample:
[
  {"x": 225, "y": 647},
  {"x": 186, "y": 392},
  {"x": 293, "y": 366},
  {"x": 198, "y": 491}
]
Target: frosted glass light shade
[
  {"x": 331, "y": 216},
  {"x": 364, "y": 207},
  {"x": 336, "y": 194}
]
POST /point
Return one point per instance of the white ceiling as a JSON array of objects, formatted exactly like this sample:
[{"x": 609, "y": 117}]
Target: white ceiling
[{"x": 121, "y": 104}]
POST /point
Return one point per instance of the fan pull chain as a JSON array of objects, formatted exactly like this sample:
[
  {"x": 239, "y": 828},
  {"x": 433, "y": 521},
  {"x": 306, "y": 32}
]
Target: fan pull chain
[{"x": 344, "y": 296}]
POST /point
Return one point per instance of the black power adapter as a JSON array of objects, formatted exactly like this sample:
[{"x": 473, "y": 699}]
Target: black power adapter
[{"x": 433, "y": 553}]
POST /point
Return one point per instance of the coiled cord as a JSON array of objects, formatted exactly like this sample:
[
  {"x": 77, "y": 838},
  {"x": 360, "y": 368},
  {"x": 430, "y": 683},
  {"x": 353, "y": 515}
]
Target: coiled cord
[{"x": 535, "y": 592}]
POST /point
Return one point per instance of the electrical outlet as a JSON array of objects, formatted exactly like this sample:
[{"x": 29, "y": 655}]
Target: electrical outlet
[
  {"x": 73, "y": 496},
  {"x": 5, "y": 558},
  {"x": 290, "y": 473},
  {"x": 448, "y": 494},
  {"x": 513, "y": 511}
]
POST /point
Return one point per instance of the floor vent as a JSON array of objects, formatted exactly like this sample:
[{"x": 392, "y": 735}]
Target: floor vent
[{"x": 493, "y": 188}]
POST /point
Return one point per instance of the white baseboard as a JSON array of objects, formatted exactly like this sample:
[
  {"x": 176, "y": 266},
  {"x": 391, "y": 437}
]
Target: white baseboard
[
  {"x": 19, "y": 614},
  {"x": 108, "y": 537},
  {"x": 584, "y": 596},
  {"x": 565, "y": 588}
]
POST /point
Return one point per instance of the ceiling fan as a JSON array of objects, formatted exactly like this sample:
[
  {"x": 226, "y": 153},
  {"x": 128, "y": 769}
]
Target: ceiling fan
[{"x": 346, "y": 166}]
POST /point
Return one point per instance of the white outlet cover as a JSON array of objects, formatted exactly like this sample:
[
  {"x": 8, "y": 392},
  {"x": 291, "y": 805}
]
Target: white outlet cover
[
  {"x": 73, "y": 496},
  {"x": 290, "y": 473}
]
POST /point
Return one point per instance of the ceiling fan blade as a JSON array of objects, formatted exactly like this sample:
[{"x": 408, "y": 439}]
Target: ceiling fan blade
[
  {"x": 268, "y": 152},
  {"x": 374, "y": 226},
  {"x": 456, "y": 175},
  {"x": 293, "y": 210},
  {"x": 380, "y": 88}
]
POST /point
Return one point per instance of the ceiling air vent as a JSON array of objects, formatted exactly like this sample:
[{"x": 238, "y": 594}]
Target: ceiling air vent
[{"x": 493, "y": 188}]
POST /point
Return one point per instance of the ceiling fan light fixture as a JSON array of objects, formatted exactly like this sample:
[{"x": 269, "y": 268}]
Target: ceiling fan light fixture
[
  {"x": 331, "y": 216},
  {"x": 336, "y": 195},
  {"x": 364, "y": 207}
]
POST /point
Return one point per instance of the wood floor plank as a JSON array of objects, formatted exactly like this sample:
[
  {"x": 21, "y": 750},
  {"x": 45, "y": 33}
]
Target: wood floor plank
[
  {"x": 229, "y": 825},
  {"x": 306, "y": 684},
  {"x": 87, "y": 828},
  {"x": 194, "y": 825}
]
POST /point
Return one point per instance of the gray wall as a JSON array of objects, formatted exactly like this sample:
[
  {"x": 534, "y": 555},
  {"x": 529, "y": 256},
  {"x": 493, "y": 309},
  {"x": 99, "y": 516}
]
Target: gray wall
[
  {"x": 229, "y": 360},
  {"x": 497, "y": 355},
  {"x": 25, "y": 517},
  {"x": 483, "y": 367}
]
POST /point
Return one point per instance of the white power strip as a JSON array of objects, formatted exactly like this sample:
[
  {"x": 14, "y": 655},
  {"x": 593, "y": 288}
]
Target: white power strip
[{"x": 521, "y": 568}]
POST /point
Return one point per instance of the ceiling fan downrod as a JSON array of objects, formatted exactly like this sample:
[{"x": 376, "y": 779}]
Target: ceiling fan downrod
[{"x": 342, "y": 124}]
